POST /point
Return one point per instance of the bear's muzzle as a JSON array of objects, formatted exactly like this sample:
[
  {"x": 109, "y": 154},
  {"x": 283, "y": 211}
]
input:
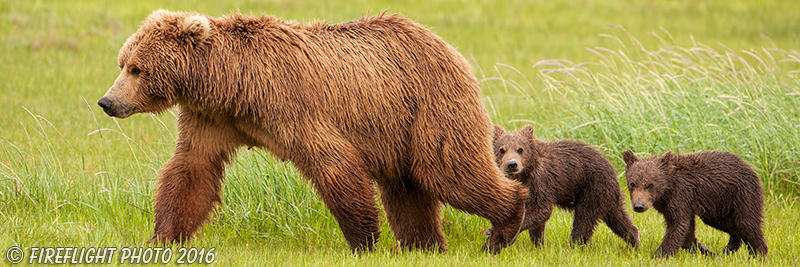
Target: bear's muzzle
[{"x": 113, "y": 109}]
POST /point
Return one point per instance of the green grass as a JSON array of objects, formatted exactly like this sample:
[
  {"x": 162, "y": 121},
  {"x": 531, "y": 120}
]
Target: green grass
[{"x": 677, "y": 75}]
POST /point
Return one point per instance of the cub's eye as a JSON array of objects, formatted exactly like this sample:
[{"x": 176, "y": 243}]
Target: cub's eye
[
  {"x": 135, "y": 71},
  {"x": 632, "y": 185},
  {"x": 502, "y": 151},
  {"x": 519, "y": 151},
  {"x": 650, "y": 186}
]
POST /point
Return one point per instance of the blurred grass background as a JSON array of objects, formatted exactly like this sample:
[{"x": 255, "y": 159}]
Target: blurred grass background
[{"x": 645, "y": 75}]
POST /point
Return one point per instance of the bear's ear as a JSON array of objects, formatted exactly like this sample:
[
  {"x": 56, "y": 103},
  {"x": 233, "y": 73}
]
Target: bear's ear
[
  {"x": 498, "y": 131},
  {"x": 629, "y": 157},
  {"x": 668, "y": 160},
  {"x": 195, "y": 27},
  {"x": 527, "y": 131}
]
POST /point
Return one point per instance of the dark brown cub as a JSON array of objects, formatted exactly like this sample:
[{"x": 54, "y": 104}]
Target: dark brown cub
[
  {"x": 567, "y": 174},
  {"x": 719, "y": 187}
]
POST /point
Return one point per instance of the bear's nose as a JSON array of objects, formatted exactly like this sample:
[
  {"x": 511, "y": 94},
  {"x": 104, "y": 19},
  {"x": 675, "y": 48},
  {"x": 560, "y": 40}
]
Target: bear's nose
[
  {"x": 638, "y": 207},
  {"x": 512, "y": 165},
  {"x": 104, "y": 103}
]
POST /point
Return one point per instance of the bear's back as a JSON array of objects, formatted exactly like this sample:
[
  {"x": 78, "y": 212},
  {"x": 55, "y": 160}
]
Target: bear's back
[
  {"x": 568, "y": 166},
  {"x": 721, "y": 182},
  {"x": 574, "y": 158},
  {"x": 716, "y": 167}
]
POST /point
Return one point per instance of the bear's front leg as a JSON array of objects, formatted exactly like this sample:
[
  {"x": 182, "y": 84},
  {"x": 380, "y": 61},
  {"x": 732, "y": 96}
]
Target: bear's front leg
[
  {"x": 691, "y": 243},
  {"x": 538, "y": 212},
  {"x": 190, "y": 181},
  {"x": 678, "y": 226},
  {"x": 537, "y": 234}
]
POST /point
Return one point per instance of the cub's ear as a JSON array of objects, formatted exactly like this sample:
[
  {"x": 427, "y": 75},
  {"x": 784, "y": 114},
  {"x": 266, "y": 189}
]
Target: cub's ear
[
  {"x": 195, "y": 27},
  {"x": 527, "y": 131},
  {"x": 498, "y": 131},
  {"x": 668, "y": 160},
  {"x": 629, "y": 157}
]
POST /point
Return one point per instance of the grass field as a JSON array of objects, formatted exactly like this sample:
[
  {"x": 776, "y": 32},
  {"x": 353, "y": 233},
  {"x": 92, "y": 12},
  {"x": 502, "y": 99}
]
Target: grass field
[{"x": 669, "y": 75}]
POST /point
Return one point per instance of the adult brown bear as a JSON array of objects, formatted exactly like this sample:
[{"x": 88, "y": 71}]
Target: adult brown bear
[{"x": 379, "y": 99}]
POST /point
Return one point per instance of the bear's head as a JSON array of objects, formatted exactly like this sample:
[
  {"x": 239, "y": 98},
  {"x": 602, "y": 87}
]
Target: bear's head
[
  {"x": 513, "y": 150},
  {"x": 648, "y": 178},
  {"x": 156, "y": 63}
]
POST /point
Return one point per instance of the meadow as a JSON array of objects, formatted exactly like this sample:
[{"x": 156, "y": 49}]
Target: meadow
[{"x": 650, "y": 76}]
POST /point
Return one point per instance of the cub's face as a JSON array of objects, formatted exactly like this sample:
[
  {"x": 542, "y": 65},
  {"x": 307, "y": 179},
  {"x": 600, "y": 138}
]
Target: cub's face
[
  {"x": 154, "y": 64},
  {"x": 647, "y": 178},
  {"x": 512, "y": 149}
]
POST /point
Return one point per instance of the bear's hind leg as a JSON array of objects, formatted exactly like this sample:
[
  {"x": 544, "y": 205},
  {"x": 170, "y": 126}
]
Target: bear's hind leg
[
  {"x": 414, "y": 216},
  {"x": 746, "y": 224},
  {"x": 754, "y": 238},
  {"x": 621, "y": 224}
]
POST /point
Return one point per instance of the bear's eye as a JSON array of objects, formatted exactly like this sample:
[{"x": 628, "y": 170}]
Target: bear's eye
[
  {"x": 650, "y": 186},
  {"x": 632, "y": 185},
  {"x": 519, "y": 151},
  {"x": 502, "y": 151},
  {"x": 135, "y": 71}
]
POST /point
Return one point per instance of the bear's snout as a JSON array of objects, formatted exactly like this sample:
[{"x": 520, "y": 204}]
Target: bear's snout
[
  {"x": 115, "y": 108},
  {"x": 105, "y": 103},
  {"x": 108, "y": 106},
  {"x": 512, "y": 166},
  {"x": 639, "y": 207}
]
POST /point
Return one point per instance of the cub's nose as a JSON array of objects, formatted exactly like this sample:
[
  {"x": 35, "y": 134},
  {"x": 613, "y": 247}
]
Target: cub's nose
[
  {"x": 638, "y": 207},
  {"x": 105, "y": 103},
  {"x": 512, "y": 166}
]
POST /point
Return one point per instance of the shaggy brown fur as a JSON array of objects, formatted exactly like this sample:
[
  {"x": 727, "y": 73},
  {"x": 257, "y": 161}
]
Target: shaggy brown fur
[
  {"x": 568, "y": 174},
  {"x": 717, "y": 186},
  {"x": 379, "y": 99}
]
